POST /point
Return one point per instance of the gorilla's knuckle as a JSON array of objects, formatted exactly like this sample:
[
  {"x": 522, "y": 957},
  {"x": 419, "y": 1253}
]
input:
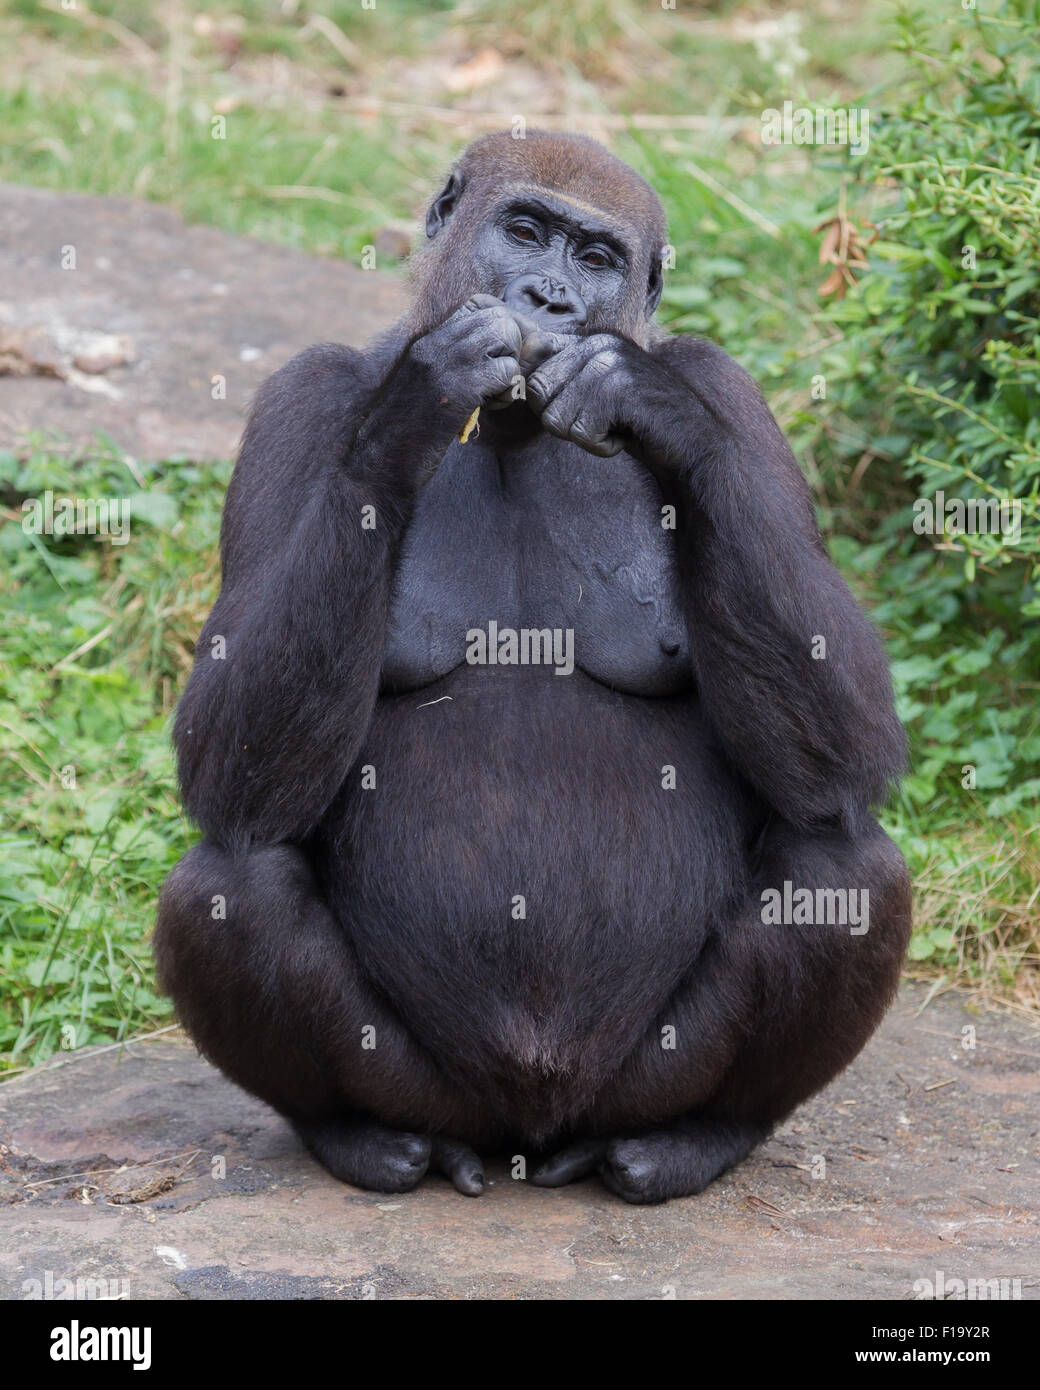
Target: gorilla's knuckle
[
  {"x": 494, "y": 332},
  {"x": 604, "y": 448},
  {"x": 504, "y": 371},
  {"x": 538, "y": 386},
  {"x": 554, "y": 418},
  {"x": 502, "y": 344},
  {"x": 604, "y": 362}
]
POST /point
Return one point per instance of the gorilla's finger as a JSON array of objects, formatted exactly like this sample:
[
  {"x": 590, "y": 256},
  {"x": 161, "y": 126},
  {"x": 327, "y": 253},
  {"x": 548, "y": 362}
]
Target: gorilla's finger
[
  {"x": 487, "y": 316},
  {"x": 505, "y": 371},
  {"x": 545, "y": 384},
  {"x": 580, "y": 411},
  {"x": 539, "y": 343},
  {"x": 503, "y": 328},
  {"x": 537, "y": 347},
  {"x": 603, "y": 446},
  {"x": 459, "y": 1164},
  {"x": 573, "y": 409},
  {"x": 570, "y": 1164},
  {"x": 482, "y": 301}
]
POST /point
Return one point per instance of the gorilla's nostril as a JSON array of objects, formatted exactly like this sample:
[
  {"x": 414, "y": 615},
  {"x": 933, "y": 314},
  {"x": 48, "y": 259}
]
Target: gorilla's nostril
[{"x": 542, "y": 295}]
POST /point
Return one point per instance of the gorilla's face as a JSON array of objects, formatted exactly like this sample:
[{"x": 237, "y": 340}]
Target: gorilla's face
[
  {"x": 566, "y": 266},
  {"x": 554, "y": 262}
]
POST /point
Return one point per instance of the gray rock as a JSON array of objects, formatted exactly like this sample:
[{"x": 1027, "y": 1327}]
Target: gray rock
[
  {"x": 132, "y": 338},
  {"x": 915, "y": 1181}
]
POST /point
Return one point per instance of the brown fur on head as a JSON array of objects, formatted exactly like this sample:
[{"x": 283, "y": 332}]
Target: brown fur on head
[{"x": 572, "y": 167}]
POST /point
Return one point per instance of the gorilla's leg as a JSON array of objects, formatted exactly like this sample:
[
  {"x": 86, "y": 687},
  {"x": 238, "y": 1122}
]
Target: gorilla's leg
[
  {"x": 267, "y": 985},
  {"x": 770, "y": 1013}
]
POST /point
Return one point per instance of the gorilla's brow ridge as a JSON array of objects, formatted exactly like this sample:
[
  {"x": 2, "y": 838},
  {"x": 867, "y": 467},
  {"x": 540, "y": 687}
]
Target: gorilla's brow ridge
[{"x": 534, "y": 194}]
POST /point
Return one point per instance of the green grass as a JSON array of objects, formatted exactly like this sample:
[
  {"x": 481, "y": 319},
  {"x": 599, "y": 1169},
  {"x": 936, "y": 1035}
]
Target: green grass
[{"x": 91, "y": 820}]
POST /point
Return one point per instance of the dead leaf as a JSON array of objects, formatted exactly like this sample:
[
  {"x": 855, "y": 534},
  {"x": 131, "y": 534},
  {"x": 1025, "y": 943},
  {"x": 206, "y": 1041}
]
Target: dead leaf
[
  {"x": 29, "y": 352},
  {"x": 762, "y": 1205},
  {"x": 843, "y": 247}
]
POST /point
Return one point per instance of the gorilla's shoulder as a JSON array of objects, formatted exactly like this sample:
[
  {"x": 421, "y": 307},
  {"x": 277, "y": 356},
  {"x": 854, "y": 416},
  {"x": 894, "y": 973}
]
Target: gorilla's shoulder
[
  {"x": 707, "y": 366},
  {"x": 307, "y": 407},
  {"x": 319, "y": 369},
  {"x": 686, "y": 354}
]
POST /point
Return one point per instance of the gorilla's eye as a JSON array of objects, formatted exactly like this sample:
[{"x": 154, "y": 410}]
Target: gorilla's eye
[
  {"x": 595, "y": 258},
  {"x": 523, "y": 231}
]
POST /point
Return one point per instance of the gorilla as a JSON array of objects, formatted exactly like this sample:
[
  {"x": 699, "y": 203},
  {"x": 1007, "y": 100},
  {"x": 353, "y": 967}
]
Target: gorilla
[{"x": 533, "y": 737}]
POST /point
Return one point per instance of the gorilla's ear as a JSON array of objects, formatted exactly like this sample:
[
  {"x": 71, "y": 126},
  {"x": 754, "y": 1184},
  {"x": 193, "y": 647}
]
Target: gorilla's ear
[
  {"x": 443, "y": 205},
  {"x": 656, "y": 284}
]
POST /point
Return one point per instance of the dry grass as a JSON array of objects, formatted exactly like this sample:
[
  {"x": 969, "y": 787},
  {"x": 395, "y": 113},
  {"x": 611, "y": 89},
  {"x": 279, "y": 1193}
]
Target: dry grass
[{"x": 986, "y": 892}]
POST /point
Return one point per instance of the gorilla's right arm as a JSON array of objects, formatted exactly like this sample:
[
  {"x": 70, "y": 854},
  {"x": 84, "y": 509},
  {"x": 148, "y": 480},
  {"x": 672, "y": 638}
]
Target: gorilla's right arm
[{"x": 274, "y": 715}]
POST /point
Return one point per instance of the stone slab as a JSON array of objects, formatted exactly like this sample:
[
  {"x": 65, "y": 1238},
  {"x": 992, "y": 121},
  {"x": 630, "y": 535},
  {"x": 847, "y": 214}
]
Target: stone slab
[
  {"x": 183, "y": 304},
  {"x": 931, "y": 1164}
]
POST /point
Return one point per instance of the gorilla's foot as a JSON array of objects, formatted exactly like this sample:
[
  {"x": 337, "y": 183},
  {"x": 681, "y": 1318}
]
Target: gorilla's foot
[
  {"x": 367, "y": 1154},
  {"x": 676, "y": 1161},
  {"x": 372, "y": 1156}
]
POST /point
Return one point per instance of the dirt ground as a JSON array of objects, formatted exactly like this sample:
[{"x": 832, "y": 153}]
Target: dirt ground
[{"x": 145, "y": 1169}]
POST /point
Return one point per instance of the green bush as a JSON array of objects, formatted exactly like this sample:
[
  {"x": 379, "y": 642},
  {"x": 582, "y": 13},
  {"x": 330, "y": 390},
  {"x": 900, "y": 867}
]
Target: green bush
[{"x": 937, "y": 374}]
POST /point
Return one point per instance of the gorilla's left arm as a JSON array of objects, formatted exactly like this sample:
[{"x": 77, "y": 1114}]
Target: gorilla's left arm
[{"x": 810, "y": 724}]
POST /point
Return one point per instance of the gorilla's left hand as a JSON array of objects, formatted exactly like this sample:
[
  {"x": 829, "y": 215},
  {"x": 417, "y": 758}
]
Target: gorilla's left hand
[{"x": 586, "y": 391}]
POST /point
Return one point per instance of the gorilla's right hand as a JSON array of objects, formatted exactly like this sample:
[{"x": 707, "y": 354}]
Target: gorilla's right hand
[{"x": 473, "y": 356}]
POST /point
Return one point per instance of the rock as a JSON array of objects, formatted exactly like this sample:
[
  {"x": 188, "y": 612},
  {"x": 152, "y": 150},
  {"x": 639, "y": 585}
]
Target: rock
[
  {"x": 129, "y": 342},
  {"x": 103, "y": 351},
  {"x": 29, "y": 351},
  {"x": 918, "y": 1164}
]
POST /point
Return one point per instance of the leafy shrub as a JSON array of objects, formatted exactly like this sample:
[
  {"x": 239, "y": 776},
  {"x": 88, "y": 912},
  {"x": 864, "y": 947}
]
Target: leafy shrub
[{"x": 938, "y": 374}]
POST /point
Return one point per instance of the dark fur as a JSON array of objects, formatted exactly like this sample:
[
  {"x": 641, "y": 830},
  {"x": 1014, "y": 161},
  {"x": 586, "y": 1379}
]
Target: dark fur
[{"x": 391, "y": 908}]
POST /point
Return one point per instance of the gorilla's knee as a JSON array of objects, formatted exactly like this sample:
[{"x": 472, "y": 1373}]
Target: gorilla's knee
[
  {"x": 888, "y": 878},
  {"x": 187, "y": 904},
  {"x": 883, "y": 873},
  {"x": 186, "y": 891},
  {"x": 868, "y": 863},
  {"x": 208, "y": 899}
]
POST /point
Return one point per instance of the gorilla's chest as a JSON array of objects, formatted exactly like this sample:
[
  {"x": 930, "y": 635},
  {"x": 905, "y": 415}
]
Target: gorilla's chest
[{"x": 556, "y": 557}]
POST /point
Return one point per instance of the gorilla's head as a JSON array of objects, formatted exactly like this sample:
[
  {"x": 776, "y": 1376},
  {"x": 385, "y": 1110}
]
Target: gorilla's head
[{"x": 552, "y": 224}]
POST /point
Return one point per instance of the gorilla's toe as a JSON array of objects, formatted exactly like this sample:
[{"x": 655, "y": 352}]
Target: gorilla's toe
[{"x": 367, "y": 1154}]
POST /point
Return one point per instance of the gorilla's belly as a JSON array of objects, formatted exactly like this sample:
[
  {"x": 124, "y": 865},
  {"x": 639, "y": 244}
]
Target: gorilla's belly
[{"x": 524, "y": 830}]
